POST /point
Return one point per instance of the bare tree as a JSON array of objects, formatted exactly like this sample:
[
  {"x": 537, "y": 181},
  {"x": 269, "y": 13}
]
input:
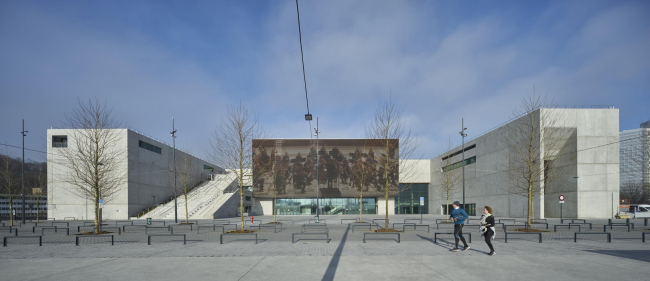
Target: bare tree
[
  {"x": 233, "y": 149},
  {"x": 38, "y": 185},
  {"x": 637, "y": 192},
  {"x": 94, "y": 164},
  {"x": 393, "y": 144},
  {"x": 9, "y": 180},
  {"x": 534, "y": 142},
  {"x": 187, "y": 175},
  {"x": 448, "y": 176}
]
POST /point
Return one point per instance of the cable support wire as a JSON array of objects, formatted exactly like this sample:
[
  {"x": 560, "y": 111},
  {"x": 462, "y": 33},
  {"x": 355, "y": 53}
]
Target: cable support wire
[{"x": 302, "y": 57}]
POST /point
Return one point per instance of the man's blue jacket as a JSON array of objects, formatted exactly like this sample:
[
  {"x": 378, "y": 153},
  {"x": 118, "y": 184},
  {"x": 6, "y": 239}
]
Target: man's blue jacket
[{"x": 460, "y": 215}]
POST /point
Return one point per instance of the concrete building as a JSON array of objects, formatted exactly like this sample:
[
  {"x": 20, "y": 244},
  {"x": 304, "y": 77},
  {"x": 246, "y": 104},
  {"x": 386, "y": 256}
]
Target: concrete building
[
  {"x": 590, "y": 135},
  {"x": 635, "y": 154},
  {"x": 147, "y": 163}
]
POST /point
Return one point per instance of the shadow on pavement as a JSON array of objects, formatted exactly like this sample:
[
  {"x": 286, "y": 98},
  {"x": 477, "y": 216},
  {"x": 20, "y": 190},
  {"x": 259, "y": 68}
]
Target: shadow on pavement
[
  {"x": 640, "y": 255},
  {"x": 334, "y": 263}
]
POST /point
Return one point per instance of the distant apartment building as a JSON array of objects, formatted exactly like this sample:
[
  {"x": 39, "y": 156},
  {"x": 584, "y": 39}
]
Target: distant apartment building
[{"x": 635, "y": 154}]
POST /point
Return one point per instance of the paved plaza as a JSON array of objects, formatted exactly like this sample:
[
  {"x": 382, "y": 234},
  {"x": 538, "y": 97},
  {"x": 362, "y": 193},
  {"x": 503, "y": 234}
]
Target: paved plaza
[{"x": 344, "y": 257}]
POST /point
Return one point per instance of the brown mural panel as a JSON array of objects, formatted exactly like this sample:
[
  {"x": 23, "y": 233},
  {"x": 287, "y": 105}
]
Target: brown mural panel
[{"x": 342, "y": 167}]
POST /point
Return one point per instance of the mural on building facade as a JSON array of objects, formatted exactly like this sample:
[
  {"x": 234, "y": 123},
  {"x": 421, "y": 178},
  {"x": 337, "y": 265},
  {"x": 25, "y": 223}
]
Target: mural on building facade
[{"x": 343, "y": 167}]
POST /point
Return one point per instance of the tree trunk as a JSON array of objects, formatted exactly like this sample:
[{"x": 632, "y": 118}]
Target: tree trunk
[
  {"x": 187, "y": 215},
  {"x": 97, "y": 221},
  {"x": 11, "y": 210},
  {"x": 361, "y": 206}
]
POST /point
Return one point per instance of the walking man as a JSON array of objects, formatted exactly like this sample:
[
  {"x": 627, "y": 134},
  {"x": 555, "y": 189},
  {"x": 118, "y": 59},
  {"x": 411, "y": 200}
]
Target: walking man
[{"x": 458, "y": 216}]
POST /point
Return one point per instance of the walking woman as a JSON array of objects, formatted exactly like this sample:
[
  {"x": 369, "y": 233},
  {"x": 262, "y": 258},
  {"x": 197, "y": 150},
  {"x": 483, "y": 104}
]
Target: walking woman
[{"x": 487, "y": 228}]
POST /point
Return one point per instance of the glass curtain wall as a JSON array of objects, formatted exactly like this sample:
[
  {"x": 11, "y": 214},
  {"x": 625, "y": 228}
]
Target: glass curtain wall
[
  {"x": 329, "y": 206},
  {"x": 408, "y": 201}
]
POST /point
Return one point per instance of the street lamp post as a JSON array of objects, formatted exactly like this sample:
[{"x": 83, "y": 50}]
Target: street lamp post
[
  {"x": 173, "y": 133},
  {"x": 23, "y": 169},
  {"x": 462, "y": 134},
  {"x": 317, "y": 133}
]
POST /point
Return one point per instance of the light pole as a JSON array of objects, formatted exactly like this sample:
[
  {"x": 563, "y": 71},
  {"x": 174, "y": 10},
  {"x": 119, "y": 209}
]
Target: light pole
[
  {"x": 23, "y": 169},
  {"x": 462, "y": 134},
  {"x": 173, "y": 133},
  {"x": 317, "y": 133}
]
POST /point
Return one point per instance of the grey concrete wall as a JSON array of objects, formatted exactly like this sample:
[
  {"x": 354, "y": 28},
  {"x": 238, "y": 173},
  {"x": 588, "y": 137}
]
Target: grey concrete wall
[
  {"x": 593, "y": 133},
  {"x": 149, "y": 174}
]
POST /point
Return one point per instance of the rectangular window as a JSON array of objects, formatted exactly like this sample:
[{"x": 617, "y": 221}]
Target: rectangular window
[
  {"x": 470, "y": 209},
  {"x": 208, "y": 168},
  {"x": 150, "y": 147},
  {"x": 459, "y": 164},
  {"x": 459, "y": 152},
  {"x": 59, "y": 141}
]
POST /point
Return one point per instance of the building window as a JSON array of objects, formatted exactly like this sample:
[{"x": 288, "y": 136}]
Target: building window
[
  {"x": 459, "y": 152},
  {"x": 408, "y": 200},
  {"x": 208, "y": 168},
  {"x": 470, "y": 209},
  {"x": 459, "y": 164},
  {"x": 59, "y": 141},
  {"x": 150, "y": 147}
]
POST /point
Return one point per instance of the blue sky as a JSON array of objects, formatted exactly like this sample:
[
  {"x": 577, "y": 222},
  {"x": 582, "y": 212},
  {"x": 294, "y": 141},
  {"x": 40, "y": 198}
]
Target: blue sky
[{"x": 440, "y": 60}]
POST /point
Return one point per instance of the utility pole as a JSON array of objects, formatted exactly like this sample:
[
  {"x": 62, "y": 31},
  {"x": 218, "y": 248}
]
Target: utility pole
[
  {"x": 173, "y": 133},
  {"x": 462, "y": 134},
  {"x": 317, "y": 133},
  {"x": 23, "y": 169}
]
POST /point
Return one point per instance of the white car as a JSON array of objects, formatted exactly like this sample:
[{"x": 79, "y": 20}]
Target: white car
[{"x": 636, "y": 211}]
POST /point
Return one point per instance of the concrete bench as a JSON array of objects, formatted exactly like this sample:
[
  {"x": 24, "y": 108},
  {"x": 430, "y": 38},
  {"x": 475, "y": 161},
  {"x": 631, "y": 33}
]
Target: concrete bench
[
  {"x": 112, "y": 228},
  {"x": 237, "y": 234},
  {"x": 260, "y": 226},
  {"x": 149, "y": 237},
  {"x": 435, "y": 236},
  {"x": 220, "y": 222},
  {"x": 416, "y": 220},
  {"x": 505, "y": 226},
  {"x": 403, "y": 223},
  {"x": 643, "y": 236},
  {"x": 415, "y": 227},
  {"x": 4, "y": 240},
  {"x": 444, "y": 220},
  {"x": 443, "y": 223},
  {"x": 11, "y": 228},
  {"x": 86, "y": 223},
  {"x": 182, "y": 225},
  {"x": 574, "y": 220},
  {"x": 582, "y": 223},
  {"x": 354, "y": 220},
  {"x": 69, "y": 218},
  {"x": 384, "y": 220},
  {"x": 169, "y": 228},
  {"x": 513, "y": 220},
  {"x": 214, "y": 227},
  {"x": 78, "y": 237},
  {"x": 25, "y": 223},
  {"x": 616, "y": 224},
  {"x": 67, "y": 224},
  {"x": 575, "y": 235},
  {"x": 565, "y": 225},
  {"x": 67, "y": 229},
  {"x": 319, "y": 221},
  {"x": 523, "y": 233},
  {"x": 49, "y": 227},
  {"x": 307, "y": 227},
  {"x": 374, "y": 234},
  {"x": 252, "y": 222},
  {"x": 540, "y": 223},
  {"x": 124, "y": 222},
  {"x": 163, "y": 222},
  {"x": 133, "y": 226},
  {"x": 326, "y": 233},
  {"x": 360, "y": 225}
]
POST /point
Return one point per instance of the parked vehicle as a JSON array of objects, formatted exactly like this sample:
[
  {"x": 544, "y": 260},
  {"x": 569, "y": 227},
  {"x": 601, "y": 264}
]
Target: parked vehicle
[{"x": 636, "y": 211}]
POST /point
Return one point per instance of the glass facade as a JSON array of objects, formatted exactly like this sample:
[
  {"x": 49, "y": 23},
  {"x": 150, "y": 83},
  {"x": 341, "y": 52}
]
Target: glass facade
[
  {"x": 329, "y": 206},
  {"x": 408, "y": 201}
]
